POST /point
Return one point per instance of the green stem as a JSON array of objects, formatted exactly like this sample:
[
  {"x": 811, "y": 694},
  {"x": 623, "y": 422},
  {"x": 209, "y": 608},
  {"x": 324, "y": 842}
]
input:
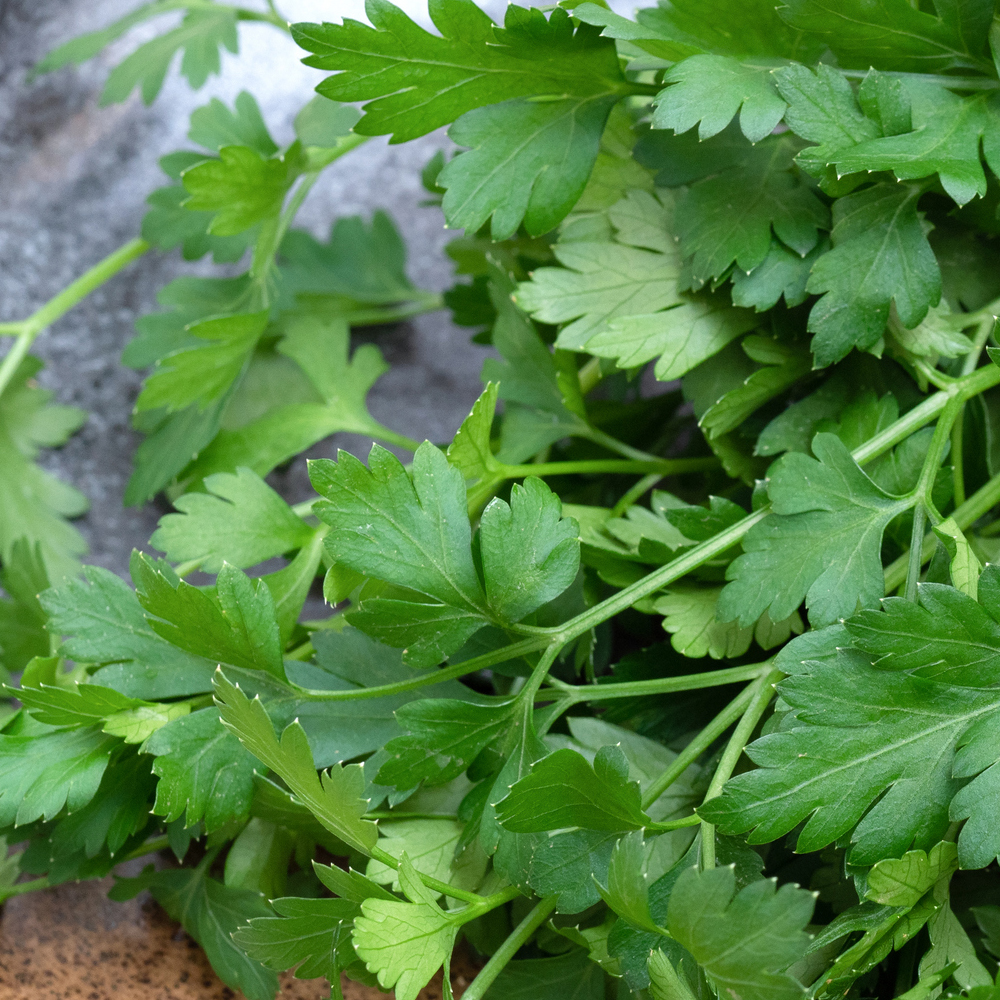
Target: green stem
[
  {"x": 763, "y": 692},
  {"x": 980, "y": 503},
  {"x": 969, "y": 363},
  {"x": 674, "y": 824},
  {"x": 633, "y": 494},
  {"x": 149, "y": 847},
  {"x": 659, "y": 685},
  {"x": 27, "y": 330},
  {"x": 515, "y": 941},
  {"x": 914, "y": 563},
  {"x": 451, "y": 673},
  {"x": 699, "y": 745},
  {"x": 422, "y": 302},
  {"x": 613, "y": 444},
  {"x": 659, "y": 467},
  {"x": 950, "y": 82},
  {"x": 22, "y": 887},
  {"x": 403, "y": 814}
]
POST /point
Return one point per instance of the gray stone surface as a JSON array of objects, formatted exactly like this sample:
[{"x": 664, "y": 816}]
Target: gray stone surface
[{"x": 73, "y": 179}]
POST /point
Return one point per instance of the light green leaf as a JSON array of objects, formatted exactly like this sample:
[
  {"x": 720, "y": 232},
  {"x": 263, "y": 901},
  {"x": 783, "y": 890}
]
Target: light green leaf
[
  {"x": 665, "y": 982},
  {"x": 626, "y": 891},
  {"x": 709, "y": 91},
  {"x": 470, "y": 450},
  {"x": 404, "y": 943},
  {"x": 241, "y": 188},
  {"x": 950, "y": 945},
  {"x": 335, "y": 799},
  {"x": 431, "y": 846},
  {"x": 203, "y": 374},
  {"x": 965, "y": 566},
  {"x": 240, "y": 520},
  {"x": 903, "y": 881}
]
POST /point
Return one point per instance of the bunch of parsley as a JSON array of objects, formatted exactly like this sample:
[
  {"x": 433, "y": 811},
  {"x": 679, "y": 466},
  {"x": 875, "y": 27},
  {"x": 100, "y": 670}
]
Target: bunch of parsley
[{"x": 738, "y": 267}]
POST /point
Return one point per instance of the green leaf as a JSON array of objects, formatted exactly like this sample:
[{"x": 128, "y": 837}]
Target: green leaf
[
  {"x": 33, "y": 504},
  {"x": 530, "y": 553},
  {"x": 417, "y": 82},
  {"x": 23, "y": 634},
  {"x": 320, "y": 348},
  {"x": 443, "y": 736},
  {"x": 600, "y": 281},
  {"x": 40, "y": 774},
  {"x": 335, "y": 799},
  {"x": 118, "y": 811},
  {"x": 880, "y": 255},
  {"x": 743, "y": 942},
  {"x": 404, "y": 943},
  {"x": 891, "y": 35},
  {"x": 236, "y": 627},
  {"x": 362, "y": 263},
  {"x": 950, "y": 946},
  {"x": 204, "y": 373},
  {"x": 323, "y": 123},
  {"x": 214, "y": 126},
  {"x": 240, "y": 521},
  {"x": 687, "y": 27},
  {"x": 412, "y": 533},
  {"x": 561, "y": 977},
  {"x": 205, "y": 775},
  {"x": 823, "y": 109},
  {"x": 716, "y": 231},
  {"x": 903, "y": 881},
  {"x": 934, "y": 336},
  {"x": 665, "y": 982},
  {"x": 965, "y": 566},
  {"x": 626, "y": 891},
  {"x": 311, "y": 936},
  {"x": 783, "y": 365},
  {"x": 103, "y": 623},
  {"x": 470, "y": 451},
  {"x": 835, "y": 762},
  {"x": 433, "y": 844},
  {"x": 821, "y": 545},
  {"x": 241, "y": 188},
  {"x": 210, "y": 912},
  {"x": 528, "y": 161},
  {"x": 563, "y": 790},
  {"x": 709, "y": 91},
  {"x": 200, "y": 35},
  {"x": 169, "y": 225},
  {"x": 781, "y": 273}
]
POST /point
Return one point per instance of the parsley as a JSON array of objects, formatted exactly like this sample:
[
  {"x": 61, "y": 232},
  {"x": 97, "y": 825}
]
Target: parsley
[{"x": 734, "y": 265}]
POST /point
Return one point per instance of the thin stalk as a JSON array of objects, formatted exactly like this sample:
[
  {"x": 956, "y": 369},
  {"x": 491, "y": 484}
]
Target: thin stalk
[
  {"x": 515, "y": 941},
  {"x": 950, "y": 82},
  {"x": 22, "y": 887},
  {"x": 619, "y": 447},
  {"x": 659, "y": 685},
  {"x": 659, "y": 467},
  {"x": 699, "y": 745},
  {"x": 633, "y": 494},
  {"x": 590, "y": 376},
  {"x": 763, "y": 692},
  {"x": 969, "y": 364},
  {"x": 674, "y": 824},
  {"x": 980, "y": 503},
  {"x": 55, "y": 308},
  {"x": 149, "y": 847},
  {"x": 417, "y": 306},
  {"x": 451, "y": 673},
  {"x": 914, "y": 562}
]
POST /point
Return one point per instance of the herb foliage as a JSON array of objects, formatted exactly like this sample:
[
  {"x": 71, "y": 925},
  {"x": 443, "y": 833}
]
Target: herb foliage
[{"x": 670, "y": 675}]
